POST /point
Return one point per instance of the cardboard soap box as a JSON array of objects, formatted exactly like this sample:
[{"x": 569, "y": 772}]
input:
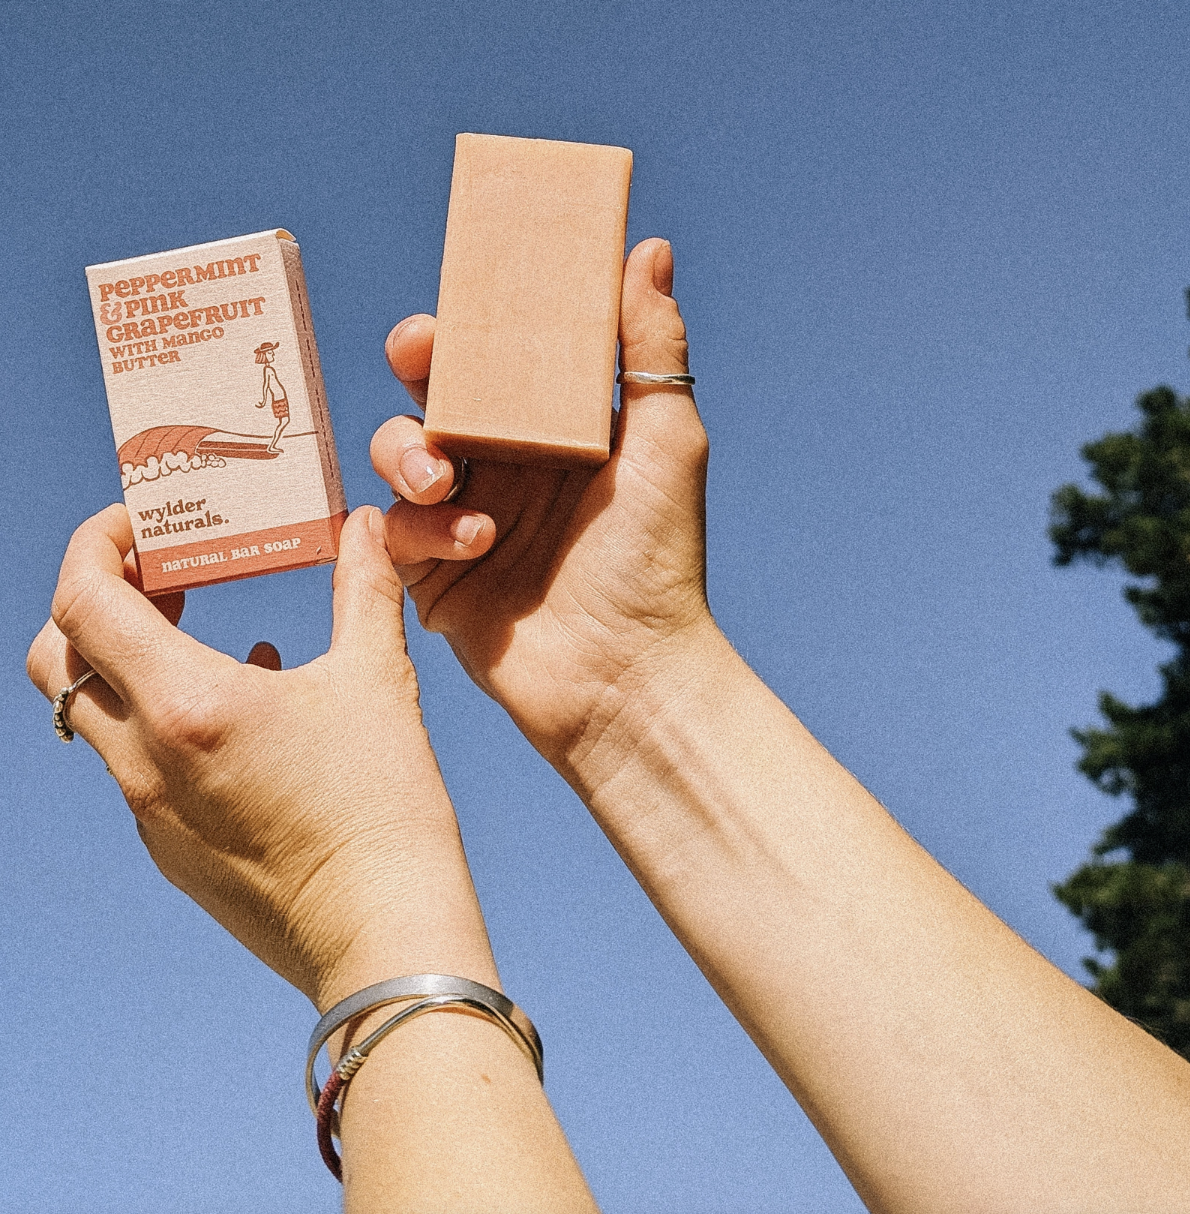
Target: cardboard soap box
[{"x": 223, "y": 436}]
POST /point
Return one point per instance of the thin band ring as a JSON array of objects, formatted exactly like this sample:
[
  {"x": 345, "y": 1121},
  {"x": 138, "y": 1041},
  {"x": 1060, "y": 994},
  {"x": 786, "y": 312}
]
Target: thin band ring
[
  {"x": 462, "y": 471},
  {"x": 652, "y": 379},
  {"x": 61, "y": 700}
]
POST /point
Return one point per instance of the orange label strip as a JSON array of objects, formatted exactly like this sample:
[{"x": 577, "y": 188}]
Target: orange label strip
[{"x": 184, "y": 566}]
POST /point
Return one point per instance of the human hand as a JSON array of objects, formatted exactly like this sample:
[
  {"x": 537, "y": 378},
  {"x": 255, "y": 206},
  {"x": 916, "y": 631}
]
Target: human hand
[
  {"x": 560, "y": 591},
  {"x": 302, "y": 808}
]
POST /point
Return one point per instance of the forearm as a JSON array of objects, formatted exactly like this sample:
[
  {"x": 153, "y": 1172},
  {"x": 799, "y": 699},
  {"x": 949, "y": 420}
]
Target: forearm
[
  {"x": 324, "y": 841},
  {"x": 447, "y": 1114},
  {"x": 946, "y": 1063}
]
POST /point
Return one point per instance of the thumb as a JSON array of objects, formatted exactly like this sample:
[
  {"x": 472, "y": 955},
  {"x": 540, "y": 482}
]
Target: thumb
[
  {"x": 652, "y": 334},
  {"x": 369, "y": 600},
  {"x": 653, "y": 338}
]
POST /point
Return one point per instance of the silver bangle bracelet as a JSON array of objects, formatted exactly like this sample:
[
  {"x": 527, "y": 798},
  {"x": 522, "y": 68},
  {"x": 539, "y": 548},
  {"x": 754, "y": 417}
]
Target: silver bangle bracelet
[{"x": 435, "y": 991}]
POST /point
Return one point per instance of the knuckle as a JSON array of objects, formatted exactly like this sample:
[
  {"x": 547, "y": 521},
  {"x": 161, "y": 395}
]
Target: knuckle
[
  {"x": 192, "y": 721},
  {"x": 374, "y": 594},
  {"x": 657, "y": 319},
  {"x": 382, "y": 584},
  {"x": 382, "y": 439},
  {"x": 652, "y": 351},
  {"x": 74, "y": 602},
  {"x": 145, "y": 794},
  {"x": 698, "y": 445}
]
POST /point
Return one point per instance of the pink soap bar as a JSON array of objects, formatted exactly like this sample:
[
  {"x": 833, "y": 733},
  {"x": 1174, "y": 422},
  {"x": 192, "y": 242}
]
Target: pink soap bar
[{"x": 529, "y": 303}]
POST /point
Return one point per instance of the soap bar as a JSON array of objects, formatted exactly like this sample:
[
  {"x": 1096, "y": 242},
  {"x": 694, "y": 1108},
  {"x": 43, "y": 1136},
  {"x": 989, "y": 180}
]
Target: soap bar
[
  {"x": 223, "y": 436},
  {"x": 529, "y": 301}
]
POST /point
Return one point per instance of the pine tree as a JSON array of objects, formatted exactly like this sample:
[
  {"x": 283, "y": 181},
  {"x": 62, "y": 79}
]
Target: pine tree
[{"x": 1134, "y": 896}]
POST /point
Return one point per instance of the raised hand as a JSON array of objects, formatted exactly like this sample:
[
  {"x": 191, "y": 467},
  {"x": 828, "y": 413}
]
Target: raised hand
[
  {"x": 302, "y": 808},
  {"x": 560, "y": 591}
]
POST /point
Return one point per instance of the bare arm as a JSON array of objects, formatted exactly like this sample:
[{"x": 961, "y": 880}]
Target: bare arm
[
  {"x": 327, "y": 846},
  {"x": 947, "y": 1064}
]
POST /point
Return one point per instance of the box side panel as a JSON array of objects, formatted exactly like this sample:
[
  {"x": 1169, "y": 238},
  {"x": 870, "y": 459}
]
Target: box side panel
[
  {"x": 315, "y": 388},
  {"x": 272, "y": 550}
]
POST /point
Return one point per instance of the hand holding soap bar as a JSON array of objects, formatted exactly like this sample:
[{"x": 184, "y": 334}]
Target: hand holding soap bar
[
  {"x": 529, "y": 303},
  {"x": 222, "y": 431}
]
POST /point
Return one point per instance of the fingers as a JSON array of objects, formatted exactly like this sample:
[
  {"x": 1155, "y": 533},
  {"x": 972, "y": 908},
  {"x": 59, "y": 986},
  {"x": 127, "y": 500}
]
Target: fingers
[
  {"x": 653, "y": 338},
  {"x": 408, "y": 349},
  {"x": 446, "y": 533},
  {"x": 652, "y": 334},
  {"x": 95, "y": 712},
  {"x": 112, "y": 625},
  {"x": 368, "y": 596},
  {"x": 416, "y": 532},
  {"x": 265, "y": 656},
  {"x": 414, "y": 469}
]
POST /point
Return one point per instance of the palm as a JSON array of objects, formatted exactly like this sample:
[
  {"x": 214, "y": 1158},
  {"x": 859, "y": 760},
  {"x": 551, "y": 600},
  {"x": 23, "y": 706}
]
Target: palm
[{"x": 588, "y": 572}]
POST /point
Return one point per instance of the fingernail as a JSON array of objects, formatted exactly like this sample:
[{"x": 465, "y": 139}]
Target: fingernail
[
  {"x": 466, "y": 528},
  {"x": 418, "y": 470},
  {"x": 376, "y": 526},
  {"x": 395, "y": 332},
  {"x": 663, "y": 268}
]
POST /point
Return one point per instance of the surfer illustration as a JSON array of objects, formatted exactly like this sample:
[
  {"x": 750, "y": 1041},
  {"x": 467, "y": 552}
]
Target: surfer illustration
[
  {"x": 185, "y": 447},
  {"x": 273, "y": 391},
  {"x": 163, "y": 450}
]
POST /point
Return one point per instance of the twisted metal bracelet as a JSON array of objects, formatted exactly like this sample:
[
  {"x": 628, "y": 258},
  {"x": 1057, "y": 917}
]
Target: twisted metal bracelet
[{"x": 433, "y": 992}]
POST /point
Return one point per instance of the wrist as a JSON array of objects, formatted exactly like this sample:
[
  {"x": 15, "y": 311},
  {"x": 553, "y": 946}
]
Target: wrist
[
  {"x": 395, "y": 953},
  {"x": 415, "y": 914},
  {"x": 675, "y": 681}
]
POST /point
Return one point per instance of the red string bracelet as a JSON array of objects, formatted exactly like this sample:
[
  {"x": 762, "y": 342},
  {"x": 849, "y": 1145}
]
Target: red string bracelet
[{"x": 325, "y": 1118}]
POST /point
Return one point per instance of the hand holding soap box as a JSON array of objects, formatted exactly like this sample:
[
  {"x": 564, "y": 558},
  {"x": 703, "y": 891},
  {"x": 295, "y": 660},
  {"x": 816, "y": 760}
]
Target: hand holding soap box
[{"x": 223, "y": 436}]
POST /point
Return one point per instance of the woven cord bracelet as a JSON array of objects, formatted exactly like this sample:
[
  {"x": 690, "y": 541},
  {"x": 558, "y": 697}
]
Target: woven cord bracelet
[{"x": 433, "y": 992}]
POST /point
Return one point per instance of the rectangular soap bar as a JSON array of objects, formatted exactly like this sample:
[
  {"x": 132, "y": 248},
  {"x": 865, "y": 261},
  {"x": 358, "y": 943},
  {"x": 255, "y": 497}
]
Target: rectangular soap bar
[
  {"x": 529, "y": 302},
  {"x": 223, "y": 436}
]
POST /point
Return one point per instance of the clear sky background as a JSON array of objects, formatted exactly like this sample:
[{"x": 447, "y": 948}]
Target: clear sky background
[{"x": 924, "y": 252}]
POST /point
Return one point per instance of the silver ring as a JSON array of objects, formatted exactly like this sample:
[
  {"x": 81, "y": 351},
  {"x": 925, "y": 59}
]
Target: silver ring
[
  {"x": 61, "y": 725},
  {"x": 650, "y": 378},
  {"x": 462, "y": 471}
]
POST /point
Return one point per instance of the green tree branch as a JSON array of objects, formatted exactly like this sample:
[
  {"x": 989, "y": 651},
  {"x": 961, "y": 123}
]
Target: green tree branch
[{"x": 1138, "y": 907}]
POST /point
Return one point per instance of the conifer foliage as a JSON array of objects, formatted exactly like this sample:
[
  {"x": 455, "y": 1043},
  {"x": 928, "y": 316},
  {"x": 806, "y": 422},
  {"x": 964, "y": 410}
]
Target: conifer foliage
[{"x": 1134, "y": 895}]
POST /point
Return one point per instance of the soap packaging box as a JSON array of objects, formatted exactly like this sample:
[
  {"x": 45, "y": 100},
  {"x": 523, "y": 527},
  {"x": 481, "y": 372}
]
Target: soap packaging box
[
  {"x": 524, "y": 361},
  {"x": 223, "y": 437}
]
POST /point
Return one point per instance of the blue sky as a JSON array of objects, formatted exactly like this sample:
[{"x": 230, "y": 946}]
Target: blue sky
[{"x": 925, "y": 251}]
